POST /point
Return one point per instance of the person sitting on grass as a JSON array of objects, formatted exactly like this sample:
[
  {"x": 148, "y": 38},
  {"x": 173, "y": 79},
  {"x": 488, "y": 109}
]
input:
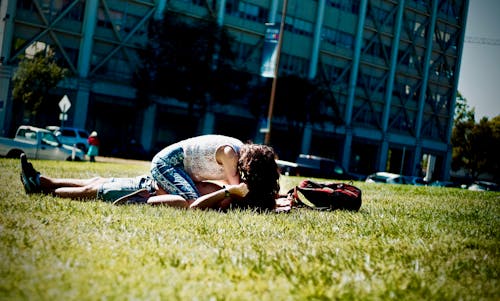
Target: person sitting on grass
[{"x": 142, "y": 189}]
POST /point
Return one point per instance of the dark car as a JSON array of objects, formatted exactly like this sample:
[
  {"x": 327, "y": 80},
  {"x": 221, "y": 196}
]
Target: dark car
[
  {"x": 484, "y": 186},
  {"x": 317, "y": 167}
]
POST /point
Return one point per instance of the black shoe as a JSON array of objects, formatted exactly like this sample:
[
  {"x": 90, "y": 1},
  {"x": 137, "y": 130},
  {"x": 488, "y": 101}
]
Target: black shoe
[{"x": 29, "y": 176}]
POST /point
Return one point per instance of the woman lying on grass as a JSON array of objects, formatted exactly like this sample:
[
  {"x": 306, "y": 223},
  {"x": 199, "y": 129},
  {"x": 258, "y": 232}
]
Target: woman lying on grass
[{"x": 142, "y": 190}]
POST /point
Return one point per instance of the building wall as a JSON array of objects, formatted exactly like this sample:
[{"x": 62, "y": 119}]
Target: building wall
[{"x": 391, "y": 67}]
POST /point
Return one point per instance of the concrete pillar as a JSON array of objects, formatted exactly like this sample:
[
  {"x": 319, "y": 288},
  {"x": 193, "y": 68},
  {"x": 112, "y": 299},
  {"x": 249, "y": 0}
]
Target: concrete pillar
[
  {"x": 84, "y": 59},
  {"x": 313, "y": 65},
  {"x": 346, "y": 154},
  {"x": 5, "y": 100},
  {"x": 417, "y": 157},
  {"x": 221, "y": 12},
  {"x": 7, "y": 13},
  {"x": 384, "y": 150},
  {"x": 272, "y": 11},
  {"x": 448, "y": 156},
  {"x": 81, "y": 103},
  {"x": 208, "y": 123},
  {"x": 306, "y": 139},
  {"x": 425, "y": 80},
  {"x": 148, "y": 125},
  {"x": 355, "y": 62},
  {"x": 86, "y": 42},
  {"x": 160, "y": 9},
  {"x": 425, "y": 76},
  {"x": 384, "y": 146},
  {"x": 393, "y": 66}
]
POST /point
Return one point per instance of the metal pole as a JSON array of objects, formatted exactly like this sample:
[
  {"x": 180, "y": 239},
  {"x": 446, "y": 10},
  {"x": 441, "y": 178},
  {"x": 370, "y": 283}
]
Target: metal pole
[{"x": 275, "y": 79}]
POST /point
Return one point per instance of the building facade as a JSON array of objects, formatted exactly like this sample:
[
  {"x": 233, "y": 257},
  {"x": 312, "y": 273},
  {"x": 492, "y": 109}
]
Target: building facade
[{"x": 391, "y": 67}]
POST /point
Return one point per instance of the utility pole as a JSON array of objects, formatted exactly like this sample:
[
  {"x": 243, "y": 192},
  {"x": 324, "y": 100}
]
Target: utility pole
[{"x": 267, "y": 138}]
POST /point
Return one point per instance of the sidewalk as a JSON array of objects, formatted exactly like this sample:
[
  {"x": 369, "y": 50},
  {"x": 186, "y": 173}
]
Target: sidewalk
[{"x": 121, "y": 160}]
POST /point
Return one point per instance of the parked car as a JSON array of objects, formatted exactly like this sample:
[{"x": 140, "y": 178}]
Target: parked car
[
  {"x": 38, "y": 143},
  {"x": 445, "y": 184},
  {"x": 316, "y": 167},
  {"x": 393, "y": 178},
  {"x": 484, "y": 186},
  {"x": 385, "y": 177},
  {"x": 414, "y": 180},
  {"x": 71, "y": 136}
]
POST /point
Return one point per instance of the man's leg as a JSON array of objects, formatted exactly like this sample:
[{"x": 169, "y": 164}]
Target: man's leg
[
  {"x": 85, "y": 192},
  {"x": 49, "y": 183},
  {"x": 34, "y": 182}
]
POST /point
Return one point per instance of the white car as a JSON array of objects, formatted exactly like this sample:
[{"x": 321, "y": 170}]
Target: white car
[
  {"x": 38, "y": 143},
  {"x": 71, "y": 136},
  {"x": 385, "y": 177}
]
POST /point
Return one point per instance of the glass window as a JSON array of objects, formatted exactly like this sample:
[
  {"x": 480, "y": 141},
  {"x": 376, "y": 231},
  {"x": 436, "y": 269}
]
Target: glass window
[{"x": 68, "y": 133}]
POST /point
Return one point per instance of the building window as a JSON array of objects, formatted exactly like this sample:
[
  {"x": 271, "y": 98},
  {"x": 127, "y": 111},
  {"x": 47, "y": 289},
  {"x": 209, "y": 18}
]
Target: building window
[
  {"x": 297, "y": 26},
  {"x": 351, "y": 6},
  {"x": 246, "y": 11},
  {"x": 337, "y": 37}
]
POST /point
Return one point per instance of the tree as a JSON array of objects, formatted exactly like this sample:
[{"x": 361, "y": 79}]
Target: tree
[
  {"x": 475, "y": 145},
  {"x": 33, "y": 80},
  {"x": 188, "y": 61}
]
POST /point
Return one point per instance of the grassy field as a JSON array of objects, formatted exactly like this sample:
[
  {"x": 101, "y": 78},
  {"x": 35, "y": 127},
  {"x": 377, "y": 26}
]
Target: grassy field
[{"x": 406, "y": 243}]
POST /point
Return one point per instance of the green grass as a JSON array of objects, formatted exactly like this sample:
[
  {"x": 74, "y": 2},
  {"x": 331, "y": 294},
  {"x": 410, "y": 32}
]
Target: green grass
[{"x": 406, "y": 243}]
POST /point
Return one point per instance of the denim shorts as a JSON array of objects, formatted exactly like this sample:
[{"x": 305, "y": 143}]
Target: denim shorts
[
  {"x": 119, "y": 187},
  {"x": 167, "y": 169}
]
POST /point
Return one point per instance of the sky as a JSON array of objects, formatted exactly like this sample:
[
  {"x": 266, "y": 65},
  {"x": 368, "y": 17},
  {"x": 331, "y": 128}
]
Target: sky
[{"x": 479, "y": 80}]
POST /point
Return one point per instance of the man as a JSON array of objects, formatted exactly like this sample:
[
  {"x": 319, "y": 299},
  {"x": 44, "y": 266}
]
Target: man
[{"x": 142, "y": 189}]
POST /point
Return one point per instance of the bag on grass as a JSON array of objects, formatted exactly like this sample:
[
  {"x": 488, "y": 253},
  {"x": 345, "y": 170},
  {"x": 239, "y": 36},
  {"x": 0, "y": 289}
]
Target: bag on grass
[{"x": 326, "y": 196}]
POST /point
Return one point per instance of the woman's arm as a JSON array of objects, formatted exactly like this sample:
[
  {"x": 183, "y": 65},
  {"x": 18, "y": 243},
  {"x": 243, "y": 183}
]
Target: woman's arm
[{"x": 217, "y": 197}]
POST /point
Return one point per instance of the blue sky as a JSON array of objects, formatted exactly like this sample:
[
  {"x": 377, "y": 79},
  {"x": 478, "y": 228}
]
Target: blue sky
[{"x": 479, "y": 80}]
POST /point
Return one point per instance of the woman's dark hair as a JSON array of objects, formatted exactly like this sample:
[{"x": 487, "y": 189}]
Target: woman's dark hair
[{"x": 258, "y": 169}]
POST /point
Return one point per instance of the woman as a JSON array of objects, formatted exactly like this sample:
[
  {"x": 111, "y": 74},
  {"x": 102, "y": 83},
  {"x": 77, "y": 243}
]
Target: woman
[
  {"x": 94, "y": 144},
  {"x": 252, "y": 168}
]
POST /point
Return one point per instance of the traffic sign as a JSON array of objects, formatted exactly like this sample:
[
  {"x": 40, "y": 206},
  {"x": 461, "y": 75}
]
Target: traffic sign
[{"x": 64, "y": 104}]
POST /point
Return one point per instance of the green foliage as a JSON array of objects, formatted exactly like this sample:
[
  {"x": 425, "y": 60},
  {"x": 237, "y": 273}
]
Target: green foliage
[
  {"x": 475, "y": 145},
  {"x": 33, "y": 80},
  {"x": 411, "y": 243}
]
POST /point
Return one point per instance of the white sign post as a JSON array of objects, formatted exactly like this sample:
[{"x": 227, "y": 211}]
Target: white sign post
[{"x": 64, "y": 105}]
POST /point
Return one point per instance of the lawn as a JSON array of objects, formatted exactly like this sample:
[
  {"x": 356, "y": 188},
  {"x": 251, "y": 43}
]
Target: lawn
[{"x": 406, "y": 243}]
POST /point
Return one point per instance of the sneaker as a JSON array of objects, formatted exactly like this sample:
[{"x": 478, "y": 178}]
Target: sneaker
[
  {"x": 29, "y": 176},
  {"x": 140, "y": 196}
]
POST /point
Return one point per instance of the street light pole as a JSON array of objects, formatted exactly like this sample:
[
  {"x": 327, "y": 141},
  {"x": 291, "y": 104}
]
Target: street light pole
[{"x": 267, "y": 138}]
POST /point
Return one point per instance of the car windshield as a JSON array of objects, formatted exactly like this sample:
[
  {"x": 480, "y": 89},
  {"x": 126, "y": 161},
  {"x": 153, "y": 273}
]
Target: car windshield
[{"x": 50, "y": 139}]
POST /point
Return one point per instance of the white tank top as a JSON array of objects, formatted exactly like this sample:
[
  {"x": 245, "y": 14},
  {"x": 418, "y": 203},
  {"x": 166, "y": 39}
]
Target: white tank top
[{"x": 199, "y": 155}]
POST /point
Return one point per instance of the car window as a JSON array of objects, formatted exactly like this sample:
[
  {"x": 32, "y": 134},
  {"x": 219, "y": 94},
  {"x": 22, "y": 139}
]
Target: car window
[
  {"x": 68, "y": 133},
  {"x": 380, "y": 179},
  {"x": 50, "y": 139},
  {"x": 28, "y": 134},
  {"x": 83, "y": 134},
  {"x": 398, "y": 180}
]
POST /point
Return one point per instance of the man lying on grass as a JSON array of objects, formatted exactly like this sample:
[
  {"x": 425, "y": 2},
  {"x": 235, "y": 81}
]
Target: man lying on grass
[{"x": 141, "y": 189}]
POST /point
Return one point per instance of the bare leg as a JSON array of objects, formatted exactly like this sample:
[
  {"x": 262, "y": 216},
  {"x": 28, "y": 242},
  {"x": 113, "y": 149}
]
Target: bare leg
[
  {"x": 51, "y": 184},
  {"x": 86, "y": 192},
  {"x": 169, "y": 200}
]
